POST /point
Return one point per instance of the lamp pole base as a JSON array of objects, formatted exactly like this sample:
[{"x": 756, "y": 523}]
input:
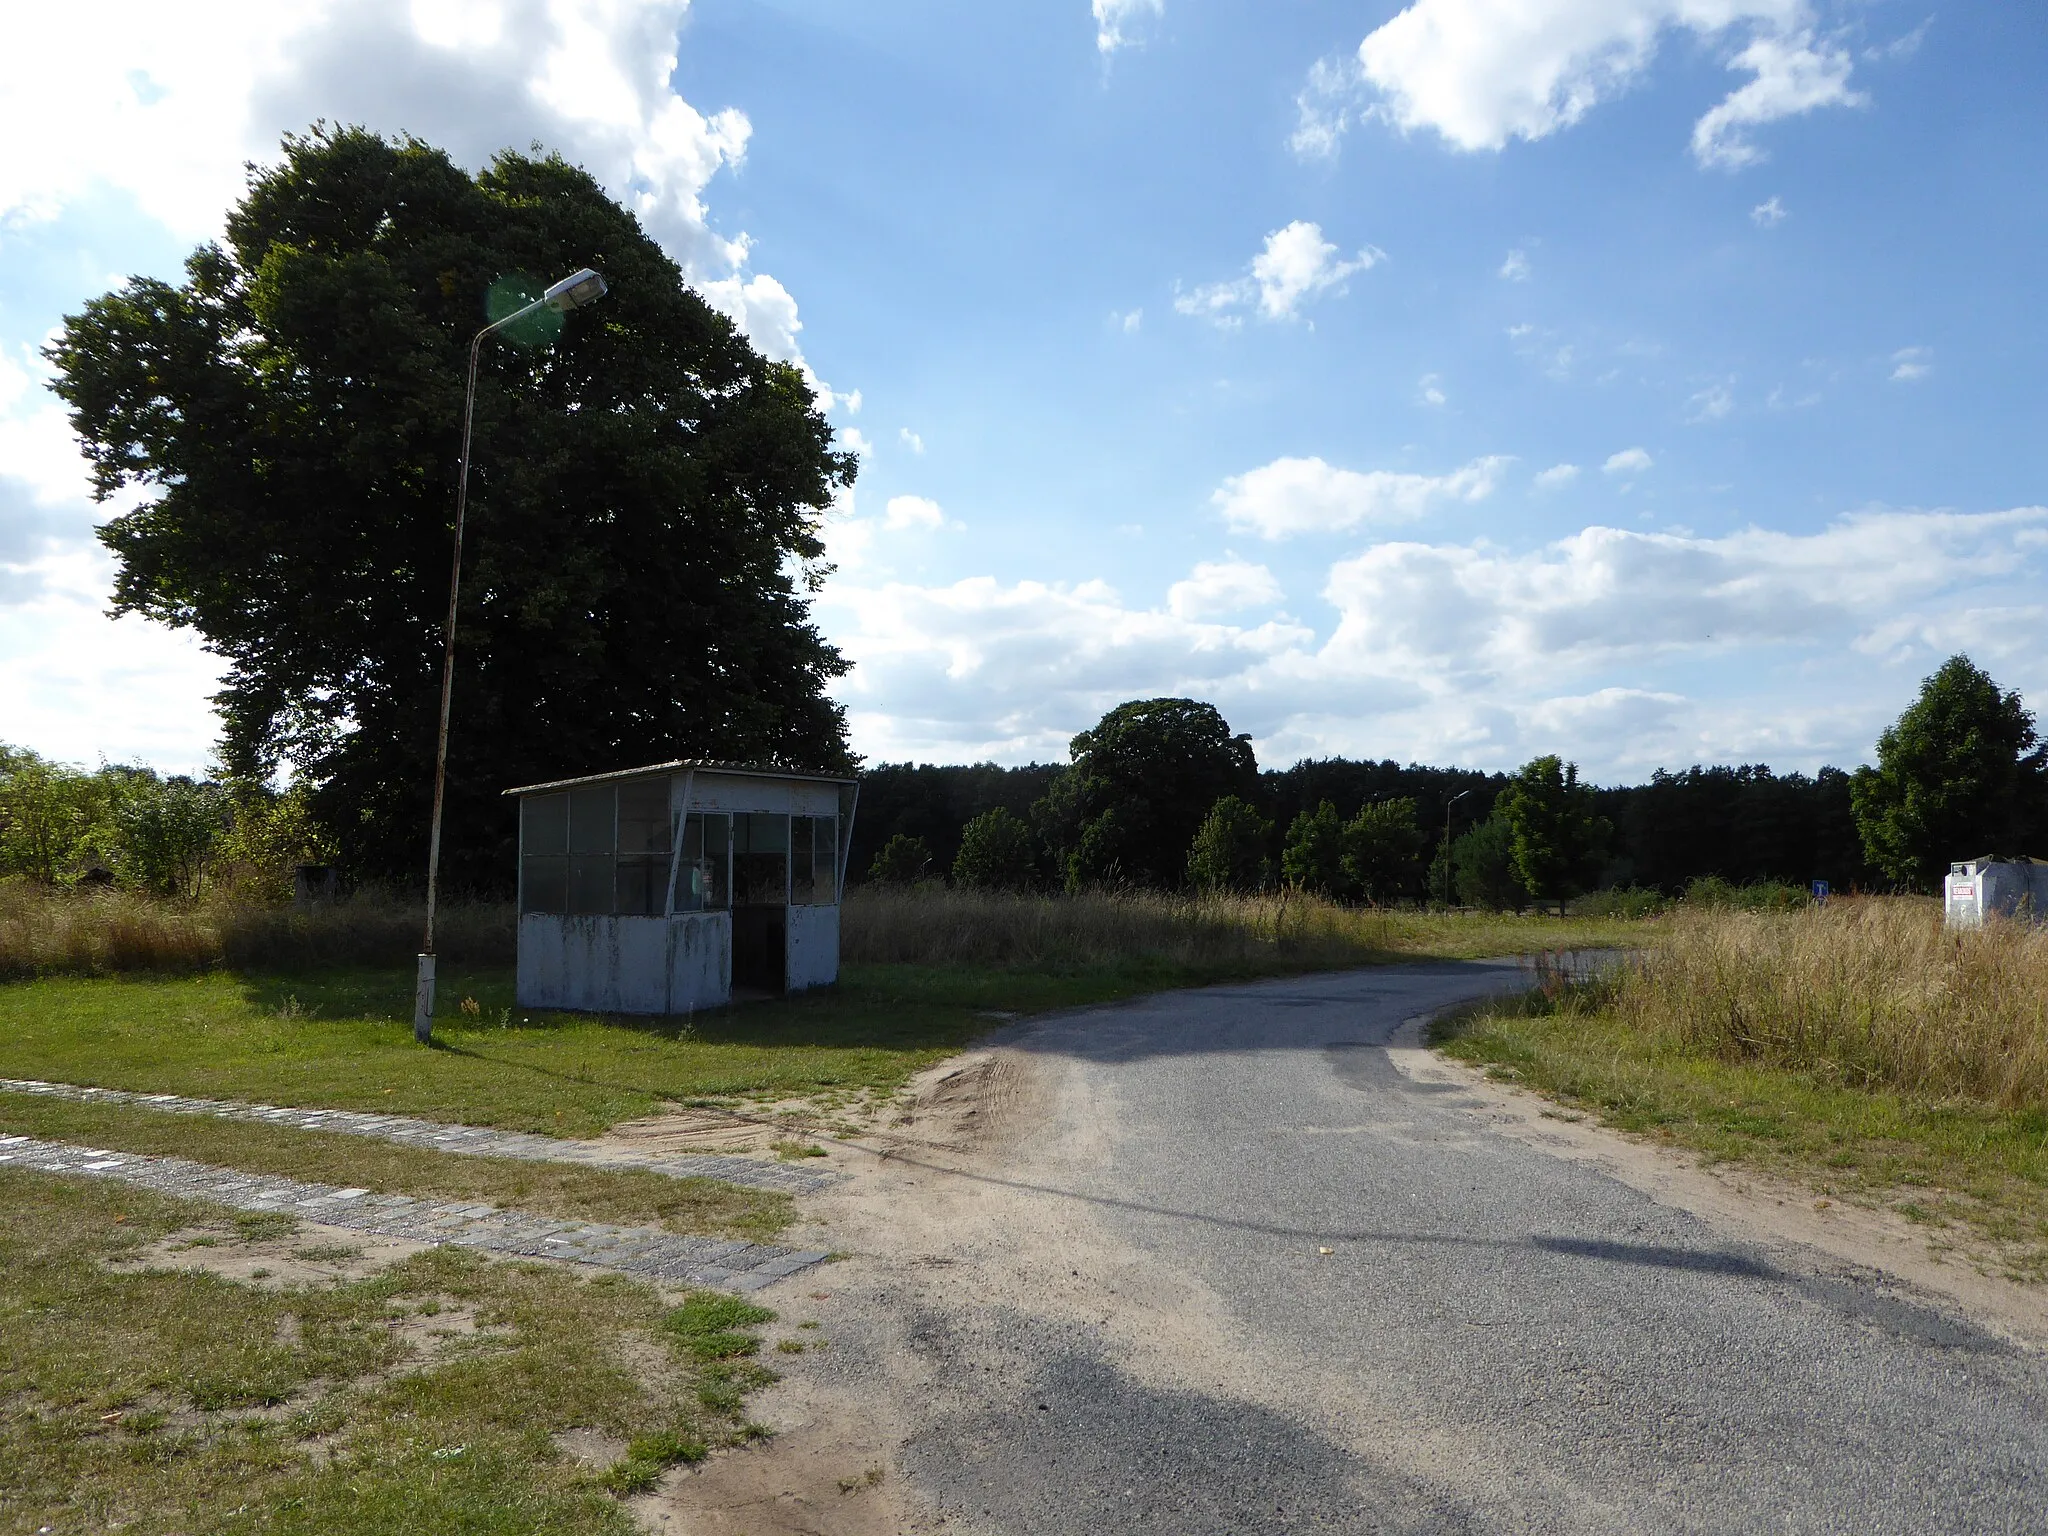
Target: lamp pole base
[{"x": 423, "y": 1002}]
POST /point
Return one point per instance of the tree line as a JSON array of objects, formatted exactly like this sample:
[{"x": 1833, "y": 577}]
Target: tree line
[{"x": 1161, "y": 793}]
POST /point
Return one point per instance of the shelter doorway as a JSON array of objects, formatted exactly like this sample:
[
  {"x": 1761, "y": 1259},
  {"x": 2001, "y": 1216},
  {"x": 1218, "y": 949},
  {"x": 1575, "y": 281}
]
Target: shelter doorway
[{"x": 760, "y": 917}]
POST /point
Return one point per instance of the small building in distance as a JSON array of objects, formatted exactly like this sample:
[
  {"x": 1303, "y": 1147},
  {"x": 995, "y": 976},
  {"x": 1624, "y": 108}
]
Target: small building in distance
[
  {"x": 1991, "y": 886},
  {"x": 680, "y": 886}
]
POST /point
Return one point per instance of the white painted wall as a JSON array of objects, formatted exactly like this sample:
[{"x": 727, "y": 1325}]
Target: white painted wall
[
  {"x": 1984, "y": 889},
  {"x": 625, "y": 964},
  {"x": 813, "y": 949}
]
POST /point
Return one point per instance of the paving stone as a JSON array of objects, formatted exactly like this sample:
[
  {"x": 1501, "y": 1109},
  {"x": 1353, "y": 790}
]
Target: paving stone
[
  {"x": 633, "y": 1250},
  {"x": 475, "y": 1140}
]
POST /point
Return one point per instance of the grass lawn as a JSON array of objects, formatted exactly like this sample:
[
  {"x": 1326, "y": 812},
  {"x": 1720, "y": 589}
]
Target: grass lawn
[
  {"x": 428, "y": 1397},
  {"x": 1975, "y": 1176},
  {"x": 342, "y": 1038}
]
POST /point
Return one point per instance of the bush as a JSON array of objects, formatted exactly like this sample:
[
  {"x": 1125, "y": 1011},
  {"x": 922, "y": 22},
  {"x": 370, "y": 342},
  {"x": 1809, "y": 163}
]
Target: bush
[
  {"x": 1483, "y": 866},
  {"x": 1630, "y": 901},
  {"x": 1714, "y": 893},
  {"x": 997, "y": 853},
  {"x": 902, "y": 861}
]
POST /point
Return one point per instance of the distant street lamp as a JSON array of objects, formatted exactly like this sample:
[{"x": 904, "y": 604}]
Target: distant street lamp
[
  {"x": 1461, "y": 794},
  {"x": 572, "y": 292}
]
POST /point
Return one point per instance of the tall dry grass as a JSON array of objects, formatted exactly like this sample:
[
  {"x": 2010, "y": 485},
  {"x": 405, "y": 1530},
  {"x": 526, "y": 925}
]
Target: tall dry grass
[
  {"x": 99, "y": 932},
  {"x": 882, "y": 925},
  {"x": 1874, "y": 991}
]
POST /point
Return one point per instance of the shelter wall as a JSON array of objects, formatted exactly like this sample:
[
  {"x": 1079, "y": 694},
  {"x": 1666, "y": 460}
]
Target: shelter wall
[
  {"x": 645, "y": 965},
  {"x": 813, "y": 947}
]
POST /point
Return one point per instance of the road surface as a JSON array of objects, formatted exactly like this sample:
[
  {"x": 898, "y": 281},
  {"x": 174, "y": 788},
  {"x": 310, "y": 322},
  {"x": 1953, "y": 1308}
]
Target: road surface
[{"x": 1210, "y": 1263}]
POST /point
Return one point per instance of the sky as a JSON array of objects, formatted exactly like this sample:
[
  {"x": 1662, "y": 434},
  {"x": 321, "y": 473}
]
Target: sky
[{"x": 1652, "y": 382}]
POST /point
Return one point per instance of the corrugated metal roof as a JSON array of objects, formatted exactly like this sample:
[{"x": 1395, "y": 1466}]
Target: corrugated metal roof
[{"x": 687, "y": 765}]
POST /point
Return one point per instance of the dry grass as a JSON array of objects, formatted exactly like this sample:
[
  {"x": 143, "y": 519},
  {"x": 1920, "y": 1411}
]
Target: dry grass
[
  {"x": 1869, "y": 992},
  {"x": 1201, "y": 934},
  {"x": 104, "y": 932}
]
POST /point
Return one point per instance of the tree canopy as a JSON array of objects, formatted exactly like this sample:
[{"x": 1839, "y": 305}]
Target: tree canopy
[
  {"x": 1556, "y": 836},
  {"x": 1137, "y": 788},
  {"x": 1961, "y": 773},
  {"x": 644, "y": 495}
]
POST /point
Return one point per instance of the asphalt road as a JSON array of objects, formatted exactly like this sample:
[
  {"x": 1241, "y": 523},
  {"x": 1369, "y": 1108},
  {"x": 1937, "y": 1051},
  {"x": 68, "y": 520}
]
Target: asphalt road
[{"x": 1497, "y": 1340}]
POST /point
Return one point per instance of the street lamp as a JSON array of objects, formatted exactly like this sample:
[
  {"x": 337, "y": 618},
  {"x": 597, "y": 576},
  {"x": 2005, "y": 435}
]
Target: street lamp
[
  {"x": 1461, "y": 794},
  {"x": 572, "y": 292}
]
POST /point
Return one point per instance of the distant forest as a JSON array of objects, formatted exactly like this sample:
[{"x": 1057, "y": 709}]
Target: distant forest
[{"x": 1742, "y": 824}]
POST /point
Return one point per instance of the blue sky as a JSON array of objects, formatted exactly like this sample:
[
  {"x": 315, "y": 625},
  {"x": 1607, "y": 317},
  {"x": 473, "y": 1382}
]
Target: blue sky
[{"x": 1650, "y": 381}]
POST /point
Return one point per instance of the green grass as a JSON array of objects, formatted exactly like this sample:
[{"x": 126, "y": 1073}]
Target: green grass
[
  {"x": 627, "y": 1196},
  {"x": 164, "y": 1401},
  {"x": 342, "y": 1038},
  {"x": 1975, "y": 1176}
]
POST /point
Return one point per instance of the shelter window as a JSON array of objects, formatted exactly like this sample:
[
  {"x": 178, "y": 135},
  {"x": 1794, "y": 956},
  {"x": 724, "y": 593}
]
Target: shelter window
[
  {"x": 640, "y": 883},
  {"x": 760, "y": 859},
  {"x": 703, "y": 880},
  {"x": 544, "y": 854},
  {"x": 595, "y": 851},
  {"x": 813, "y": 861}
]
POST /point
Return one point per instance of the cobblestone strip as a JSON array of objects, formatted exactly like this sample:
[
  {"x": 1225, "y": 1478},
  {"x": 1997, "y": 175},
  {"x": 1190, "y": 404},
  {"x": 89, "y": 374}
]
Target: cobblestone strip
[
  {"x": 475, "y": 1141},
  {"x": 731, "y": 1265}
]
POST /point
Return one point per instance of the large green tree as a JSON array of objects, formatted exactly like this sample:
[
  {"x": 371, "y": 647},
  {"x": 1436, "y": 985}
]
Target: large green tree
[
  {"x": 1137, "y": 787},
  {"x": 644, "y": 494},
  {"x": 1229, "y": 850},
  {"x": 1960, "y": 774},
  {"x": 1555, "y": 835},
  {"x": 1383, "y": 850}
]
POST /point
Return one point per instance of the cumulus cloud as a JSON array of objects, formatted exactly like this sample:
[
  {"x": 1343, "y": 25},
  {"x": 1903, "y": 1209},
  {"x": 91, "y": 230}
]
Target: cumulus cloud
[
  {"x": 1516, "y": 268},
  {"x": 1291, "y": 495},
  {"x": 912, "y": 512},
  {"x": 166, "y": 112},
  {"x": 1430, "y": 391},
  {"x": 1556, "y": 477},
  {"x": 1216, "y": 588},
  {"x": 1479, "y": 73},
  {"x": 1768, "y": 214},
  {"x": 856, "y": 440},
  {"x": 1116, "y": 21},
  {"x": 910, "y": 440},
  {"x": 1911, "y": 364},
  {"x": 1630, "y": 461},
  {"x": 1297, "y": 264},
  {"x": 1470, "y": 652}
]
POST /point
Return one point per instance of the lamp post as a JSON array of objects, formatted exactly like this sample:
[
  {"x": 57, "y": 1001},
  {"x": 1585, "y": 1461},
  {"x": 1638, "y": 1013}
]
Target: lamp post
[
  {"x": 572, "y": 292},
  {"x": 1461, "y": 794}
]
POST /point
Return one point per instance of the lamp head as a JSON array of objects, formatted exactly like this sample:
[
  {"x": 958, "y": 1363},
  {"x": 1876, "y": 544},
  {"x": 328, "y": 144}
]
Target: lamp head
[{"x": 575, "y": 291}]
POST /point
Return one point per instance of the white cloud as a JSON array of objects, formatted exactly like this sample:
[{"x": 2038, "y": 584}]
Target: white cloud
[
  {"x": 1516, "y": 268},
  {"x": 1291, "y": 495},
  {"x": 1713, "y": 403},
  {"x": 910, "y": 440},
  {"x": 1126, "y": 321},
  {"x": 1472, "y": 653},
  {"x": 1323, "y": 108},
  {"x": 1769, "y": 214},
  {"x": 1557, "y": 477},
  {"x": 1911, "y": 364},
  {"x": 851, "y": 401},
  {"x": 1482, "y": 72},
  {"x": 1216, "y": 588},
  {"x": 1430, "y": 390},
  {"x": 1297, "y": 264},
  {"x": 156, "y": 103},
  {"x": 1791, "y": 76},
  {"x": 912, "y": 512},
  {"x": 856, "y": 440},
  {"x": 1630, "y": 461},
  {"x": 1115, "y": 19}
]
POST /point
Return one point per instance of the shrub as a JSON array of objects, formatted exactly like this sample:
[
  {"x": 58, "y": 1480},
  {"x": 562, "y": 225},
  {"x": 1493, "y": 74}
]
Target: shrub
[
  {"x": 1711, "y": 891},
  {"x": 903, "y": 860}
]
